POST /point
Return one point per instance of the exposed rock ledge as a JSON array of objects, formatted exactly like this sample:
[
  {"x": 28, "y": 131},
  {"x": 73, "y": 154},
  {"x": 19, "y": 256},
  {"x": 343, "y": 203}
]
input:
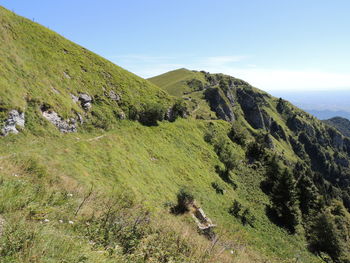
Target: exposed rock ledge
[
  {"x": 63, "y": 125},
  {"x": 202, "y": 221},
  {"x": 84, "y": 99},
  {"x": 14, "y": 120}
]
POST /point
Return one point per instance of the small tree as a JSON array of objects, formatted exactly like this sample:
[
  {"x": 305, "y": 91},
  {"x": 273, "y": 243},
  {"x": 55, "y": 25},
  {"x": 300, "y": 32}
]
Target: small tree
[
  {"x": 284, "y": 200},
  {"x": 324, "y": 237}
]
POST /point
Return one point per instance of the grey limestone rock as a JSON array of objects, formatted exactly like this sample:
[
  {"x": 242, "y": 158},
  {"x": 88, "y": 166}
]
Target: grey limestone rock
[
  {"x": 14, "y": 120},
  {"x": 85, "y": 101},
  {"x": 64, "y": 126}
]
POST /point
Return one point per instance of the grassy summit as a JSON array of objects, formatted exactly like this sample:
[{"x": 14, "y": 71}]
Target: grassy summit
[{"x": 105, "y": 192}]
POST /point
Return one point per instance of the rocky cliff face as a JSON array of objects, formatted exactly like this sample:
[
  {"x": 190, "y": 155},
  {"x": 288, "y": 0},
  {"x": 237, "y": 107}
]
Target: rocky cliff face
[{"x": 220, "y": 104}]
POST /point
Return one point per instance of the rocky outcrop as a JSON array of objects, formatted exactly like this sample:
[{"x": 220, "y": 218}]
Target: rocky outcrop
[
  {"x": 85, "y": 101},
  {"x": 64, "y": 126},
  {"x": 14, "y": 120},
  {"x": 297, "y": 125},
  {"x": 251, "y": 103},
  {"x": 219, "y": 104},
  {"x": 277, "y": 131},
  {"x": 202, "y": 221}
]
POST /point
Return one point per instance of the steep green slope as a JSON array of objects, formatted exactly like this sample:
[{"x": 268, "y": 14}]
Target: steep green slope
[
  {"x": 39, "y": 67},
  {"x": 342, "y": 124},
  {"x": 151, "y": 164}
]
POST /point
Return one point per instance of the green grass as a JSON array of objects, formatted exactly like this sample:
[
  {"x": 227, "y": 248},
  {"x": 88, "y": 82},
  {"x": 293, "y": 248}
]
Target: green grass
[
  {"x": 151, "y": 164},
  {"x": 175, "y": 82}
]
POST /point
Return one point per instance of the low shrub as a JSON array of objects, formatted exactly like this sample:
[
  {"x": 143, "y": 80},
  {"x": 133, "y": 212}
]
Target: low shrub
[
  {"x": 184, "y": 199},
  {"x": 151, "y": 113},
  {"x": 246, "y": 217}
]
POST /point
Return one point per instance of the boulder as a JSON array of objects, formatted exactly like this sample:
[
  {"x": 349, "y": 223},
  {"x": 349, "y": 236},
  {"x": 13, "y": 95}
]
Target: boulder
[
  {"x": 85, "y": 101},
  {"x": 14, "y": 120}
]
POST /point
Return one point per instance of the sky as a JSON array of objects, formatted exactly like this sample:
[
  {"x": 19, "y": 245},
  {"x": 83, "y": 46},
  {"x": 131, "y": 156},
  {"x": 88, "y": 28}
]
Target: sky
[{"x": 276, "y": 45}]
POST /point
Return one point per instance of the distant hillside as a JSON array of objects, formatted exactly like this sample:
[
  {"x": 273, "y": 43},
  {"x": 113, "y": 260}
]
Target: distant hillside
[
  {"x": 342, "y": 124},
  {"x": 327, "y": 114}
]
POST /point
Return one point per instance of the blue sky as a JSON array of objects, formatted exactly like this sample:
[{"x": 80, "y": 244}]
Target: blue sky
[{"x": 274, "y": 45}]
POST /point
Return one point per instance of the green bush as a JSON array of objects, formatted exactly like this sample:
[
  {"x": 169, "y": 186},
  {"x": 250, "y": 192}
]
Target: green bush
[
  {"x": 246, "y": 217},
  {"x": 179, "y": 109},
  {"x": 151, "y": 113},
  {"x": 184, "y": 199}
]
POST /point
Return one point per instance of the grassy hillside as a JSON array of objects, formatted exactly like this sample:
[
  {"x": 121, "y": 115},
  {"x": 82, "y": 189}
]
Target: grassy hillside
[
  {"x": 111, "y": 191},
  {"x": 180, "y": 83},
  {"x": 40, "y": 67},
  {"x": 149, "y": 165}
]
